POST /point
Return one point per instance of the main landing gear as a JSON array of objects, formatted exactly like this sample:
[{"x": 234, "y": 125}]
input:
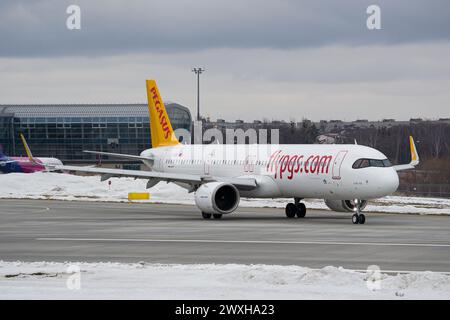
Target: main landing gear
[
  {"x": 208, "y": 215},
  {"x": 358, "y": 217},
  {"x": 296, "y": 209}
]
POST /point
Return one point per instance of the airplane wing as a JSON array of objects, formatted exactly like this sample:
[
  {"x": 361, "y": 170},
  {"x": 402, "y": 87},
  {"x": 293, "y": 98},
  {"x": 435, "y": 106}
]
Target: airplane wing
[
  {"x": 414, "y": 157},
  {"x": 118, "y": 155},
  {"x": 155, "y": 177}
]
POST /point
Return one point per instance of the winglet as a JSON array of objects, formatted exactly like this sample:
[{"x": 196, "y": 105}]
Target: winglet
[
  {"x": 414, "y": 154},
  {"x": 27, "y": 148},
  {"x": 414, "y": 157}
]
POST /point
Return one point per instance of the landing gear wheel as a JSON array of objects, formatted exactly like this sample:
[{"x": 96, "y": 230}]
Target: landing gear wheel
[
  {"x": 217, "y": 216},
  {"x": 206, "y": 215},
  {"x": 291, "y": 210},
  {"x": 301, "y": 210},
  {"x": 361, "y": 219},
  {"x": 358, "y": 217}
]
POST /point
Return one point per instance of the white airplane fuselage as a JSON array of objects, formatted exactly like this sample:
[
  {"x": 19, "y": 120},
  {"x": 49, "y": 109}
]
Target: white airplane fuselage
[
  {"x": 286, "y": 171},
  {"x": 345, "y": 176}
]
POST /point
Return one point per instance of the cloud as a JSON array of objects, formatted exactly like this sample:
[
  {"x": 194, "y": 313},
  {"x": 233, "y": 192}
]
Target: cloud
[
  {"x": 341, "y": 82},
  {"x": 277, "y": 60},
  {"x": 38, "y": 28}
]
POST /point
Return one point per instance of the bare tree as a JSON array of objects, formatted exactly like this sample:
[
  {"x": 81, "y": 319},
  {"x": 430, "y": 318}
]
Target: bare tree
[{"x": 437, "y": 140}]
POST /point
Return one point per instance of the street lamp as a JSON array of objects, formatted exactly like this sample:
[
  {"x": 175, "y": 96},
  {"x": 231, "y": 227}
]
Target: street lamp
[{"x": 198, "y": 71}]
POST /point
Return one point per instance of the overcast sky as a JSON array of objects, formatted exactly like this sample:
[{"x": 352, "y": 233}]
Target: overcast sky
[{"x": 276, "y": 60}]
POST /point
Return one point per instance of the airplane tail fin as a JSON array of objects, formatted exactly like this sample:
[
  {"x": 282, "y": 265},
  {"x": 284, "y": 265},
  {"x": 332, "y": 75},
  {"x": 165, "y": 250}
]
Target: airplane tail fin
[
  {"x": 160, "y": 127},
  {"x": 27, "y": 148}
]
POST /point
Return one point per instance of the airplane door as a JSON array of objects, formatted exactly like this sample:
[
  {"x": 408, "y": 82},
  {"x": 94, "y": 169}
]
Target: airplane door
[
  {"x": 159, "y": 165},
  {"x": 207, "y": 166},
  {"x": 249, "y": 164},
  {"x": 161, "y": 160},
  {"x": 207, "y": 163},
  {"x": 337, "y": 163}
]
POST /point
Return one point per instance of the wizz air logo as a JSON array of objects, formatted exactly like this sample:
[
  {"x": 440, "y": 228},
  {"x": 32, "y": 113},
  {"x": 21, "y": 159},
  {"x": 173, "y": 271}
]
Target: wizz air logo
[
  {"x": 160, "y": 111},
  {"x": 284, "y": 164}
]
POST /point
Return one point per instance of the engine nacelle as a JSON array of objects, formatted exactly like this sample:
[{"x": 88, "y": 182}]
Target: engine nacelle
[
  {"x": 344, "y": 205},
  {"x": 217, "y": 197}
]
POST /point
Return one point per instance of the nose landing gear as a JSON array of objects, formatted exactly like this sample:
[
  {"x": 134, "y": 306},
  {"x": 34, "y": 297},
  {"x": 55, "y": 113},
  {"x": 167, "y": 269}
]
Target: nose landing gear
[{"x": 358, "y": 217}]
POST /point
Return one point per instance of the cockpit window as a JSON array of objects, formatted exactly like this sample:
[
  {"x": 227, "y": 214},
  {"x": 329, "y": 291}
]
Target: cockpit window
[
  {"x": 364, "y": 163},
  {"x": 356, "y": 164},
  {"x": 376, "y": 163}
]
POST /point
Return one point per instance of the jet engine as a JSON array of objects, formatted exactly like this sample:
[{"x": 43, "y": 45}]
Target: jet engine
[
  {"x": 217, "y": 197},
  {"x": 344, "y": 205}
]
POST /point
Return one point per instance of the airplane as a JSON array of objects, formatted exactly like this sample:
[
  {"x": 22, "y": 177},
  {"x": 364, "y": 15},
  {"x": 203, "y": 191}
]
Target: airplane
[
  {"x": 27, "y": 164},
  {"x": 344, "y": 175}
]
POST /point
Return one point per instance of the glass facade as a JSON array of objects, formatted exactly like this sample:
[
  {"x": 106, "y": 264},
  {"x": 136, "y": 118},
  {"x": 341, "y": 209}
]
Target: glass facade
[{"x": 64, "y": 131}]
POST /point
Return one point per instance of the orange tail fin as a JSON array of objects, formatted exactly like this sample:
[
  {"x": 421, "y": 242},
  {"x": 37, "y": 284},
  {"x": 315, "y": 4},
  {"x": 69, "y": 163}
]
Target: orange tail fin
[{"x": 160, "y": 127}]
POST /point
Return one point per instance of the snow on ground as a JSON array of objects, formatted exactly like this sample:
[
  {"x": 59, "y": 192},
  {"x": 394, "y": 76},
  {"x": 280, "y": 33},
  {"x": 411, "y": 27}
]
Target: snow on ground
[
  {"x": 41, "y": 185},
  {"x": 51, "y": 280}
]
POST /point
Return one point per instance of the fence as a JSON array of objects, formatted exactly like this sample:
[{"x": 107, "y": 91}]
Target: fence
[{"x": 425, "y": 189}]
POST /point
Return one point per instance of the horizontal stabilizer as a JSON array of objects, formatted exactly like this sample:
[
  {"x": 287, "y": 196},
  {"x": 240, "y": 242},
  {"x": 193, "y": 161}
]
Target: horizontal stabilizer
[{"x": 118, "y": 155}]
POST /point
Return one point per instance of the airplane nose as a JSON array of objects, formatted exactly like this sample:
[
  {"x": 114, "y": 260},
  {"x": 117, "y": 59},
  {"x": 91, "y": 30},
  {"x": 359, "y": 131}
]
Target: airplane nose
[
  {"x": 392, "y": 181},
  {"x": 386, "y": 182}
]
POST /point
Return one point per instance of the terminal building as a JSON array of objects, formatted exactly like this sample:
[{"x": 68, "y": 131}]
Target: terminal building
[{"x": 64, "y": 131}]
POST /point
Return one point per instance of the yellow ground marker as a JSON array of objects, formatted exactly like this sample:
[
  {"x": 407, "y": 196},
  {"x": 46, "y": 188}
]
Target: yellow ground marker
[{"x": 138, "y": 196}]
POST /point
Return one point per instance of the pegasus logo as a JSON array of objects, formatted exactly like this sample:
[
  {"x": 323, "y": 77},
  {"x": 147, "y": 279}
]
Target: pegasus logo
[
  {"x": 280, "y": 164},
  {"x": 160, "y": 111}
]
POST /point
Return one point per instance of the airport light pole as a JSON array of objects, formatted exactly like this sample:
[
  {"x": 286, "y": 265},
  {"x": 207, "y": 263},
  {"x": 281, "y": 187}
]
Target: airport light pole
[{"x": 198, "y": 71}]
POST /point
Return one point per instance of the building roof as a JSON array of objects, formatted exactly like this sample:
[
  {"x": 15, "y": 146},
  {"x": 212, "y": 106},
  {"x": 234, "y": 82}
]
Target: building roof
[{"x": 81, "y": 110}]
